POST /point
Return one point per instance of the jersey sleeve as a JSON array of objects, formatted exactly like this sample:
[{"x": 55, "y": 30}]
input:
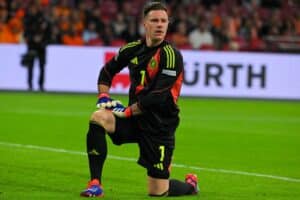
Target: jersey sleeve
[
  {"x": 115, "y": 65},
  {"x": 168, "y": 81}
]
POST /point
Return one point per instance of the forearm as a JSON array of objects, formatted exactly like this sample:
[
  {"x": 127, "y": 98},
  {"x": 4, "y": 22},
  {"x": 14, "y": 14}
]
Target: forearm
[
  {"x": 103, "y": 88},
  {"x": 135, "y": 109}
]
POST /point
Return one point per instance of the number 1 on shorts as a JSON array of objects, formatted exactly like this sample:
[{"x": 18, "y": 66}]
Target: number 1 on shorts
[{"x": 162, "y": 152}]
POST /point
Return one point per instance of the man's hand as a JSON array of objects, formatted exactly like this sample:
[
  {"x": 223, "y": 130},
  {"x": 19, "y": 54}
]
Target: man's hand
[
  {"x": 104, "y": 101},
  {"x": 122, "y": 112}
]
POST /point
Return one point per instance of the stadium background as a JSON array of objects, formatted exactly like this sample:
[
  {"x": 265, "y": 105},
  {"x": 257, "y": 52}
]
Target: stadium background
[
  {"x": 244, "y": 25},
  {"x": 240, "y": 148}
]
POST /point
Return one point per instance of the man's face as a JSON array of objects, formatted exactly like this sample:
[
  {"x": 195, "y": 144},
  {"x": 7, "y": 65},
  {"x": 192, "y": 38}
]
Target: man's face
[{"x": 156, "y": 25}]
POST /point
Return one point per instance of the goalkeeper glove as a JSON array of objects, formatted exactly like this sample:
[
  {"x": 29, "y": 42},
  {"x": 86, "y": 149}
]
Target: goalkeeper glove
[
  {"x": 124, "y": 112},
  {"x": 104, "y": 101}
]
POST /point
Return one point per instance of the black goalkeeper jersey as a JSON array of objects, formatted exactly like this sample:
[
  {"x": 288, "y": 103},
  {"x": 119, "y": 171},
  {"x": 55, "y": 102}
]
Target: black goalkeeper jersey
[{"x": 156, "y": 75}]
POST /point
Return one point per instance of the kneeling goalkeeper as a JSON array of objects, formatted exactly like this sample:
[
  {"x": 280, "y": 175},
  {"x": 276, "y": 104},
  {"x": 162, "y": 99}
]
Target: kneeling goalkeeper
[{"x": 151, "y": 117}]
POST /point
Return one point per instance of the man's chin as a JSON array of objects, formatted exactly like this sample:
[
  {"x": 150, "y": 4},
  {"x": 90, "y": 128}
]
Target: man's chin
[{"x": 158, "y": 38}]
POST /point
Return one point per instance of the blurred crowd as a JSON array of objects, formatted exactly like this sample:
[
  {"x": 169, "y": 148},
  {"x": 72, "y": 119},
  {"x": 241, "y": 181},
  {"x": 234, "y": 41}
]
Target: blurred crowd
[{"x": 240, "y": 25}]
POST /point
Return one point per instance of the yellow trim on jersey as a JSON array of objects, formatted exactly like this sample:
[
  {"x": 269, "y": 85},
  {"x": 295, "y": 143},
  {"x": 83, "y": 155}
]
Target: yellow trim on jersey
[
  {"x": 130, "y": 44},
  {"x": 134, "y": 60},
  {"x": 170, "y": 56}
]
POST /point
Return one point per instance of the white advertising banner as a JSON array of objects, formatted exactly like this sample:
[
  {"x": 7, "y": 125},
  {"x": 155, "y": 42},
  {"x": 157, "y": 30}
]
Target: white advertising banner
[
  {"x": 242, "y": 74},
  {"x": 207, "y": 73}
]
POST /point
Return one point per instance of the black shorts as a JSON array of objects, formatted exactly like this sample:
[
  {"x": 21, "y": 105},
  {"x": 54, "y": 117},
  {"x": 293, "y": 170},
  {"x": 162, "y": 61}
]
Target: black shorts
[{"x": 156, "y": 149}]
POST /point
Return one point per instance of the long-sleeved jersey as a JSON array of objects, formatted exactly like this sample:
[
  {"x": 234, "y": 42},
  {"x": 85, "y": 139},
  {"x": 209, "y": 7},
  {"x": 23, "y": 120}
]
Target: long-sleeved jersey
[{"x": 156, "y": 75}]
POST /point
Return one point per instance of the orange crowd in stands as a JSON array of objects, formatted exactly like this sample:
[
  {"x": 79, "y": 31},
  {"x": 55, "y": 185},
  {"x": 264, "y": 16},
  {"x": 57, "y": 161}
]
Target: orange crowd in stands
[{"x": 238, "y": 25}]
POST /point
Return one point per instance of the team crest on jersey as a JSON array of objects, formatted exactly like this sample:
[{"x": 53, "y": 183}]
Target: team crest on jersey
[{"x": 153, "y": 63}]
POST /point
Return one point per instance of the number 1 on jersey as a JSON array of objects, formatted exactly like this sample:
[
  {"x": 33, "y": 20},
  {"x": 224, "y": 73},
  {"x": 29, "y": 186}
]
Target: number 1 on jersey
[{"x": 143, "y": 73}]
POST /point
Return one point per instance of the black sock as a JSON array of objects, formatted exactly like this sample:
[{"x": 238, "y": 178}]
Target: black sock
[
  {"x": 178, "y": 188},
  {"x": 96, "y": 149}
]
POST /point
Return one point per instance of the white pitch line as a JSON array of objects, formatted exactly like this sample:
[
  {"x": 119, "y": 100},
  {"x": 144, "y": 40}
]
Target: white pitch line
[
  {"x": 224, "y": 171},
  {"x": 201, "y": 118}
]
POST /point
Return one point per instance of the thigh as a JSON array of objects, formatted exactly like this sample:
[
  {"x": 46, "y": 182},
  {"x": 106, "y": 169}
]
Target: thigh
[
  {"x": 125, "y": 131},
  {"x": 156, "y": 155}
]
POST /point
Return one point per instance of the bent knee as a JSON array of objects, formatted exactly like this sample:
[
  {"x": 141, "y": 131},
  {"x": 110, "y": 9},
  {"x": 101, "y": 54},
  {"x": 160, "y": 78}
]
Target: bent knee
[
  {"x": 104, "y": 118},
  {"x": 101, "y": 116}
]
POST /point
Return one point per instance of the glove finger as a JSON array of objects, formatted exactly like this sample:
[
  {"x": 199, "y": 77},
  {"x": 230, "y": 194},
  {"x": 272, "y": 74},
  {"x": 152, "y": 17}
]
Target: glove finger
[
  {"x": 114, "y": 112},
  {"x": 108, "y": 104},
  {"x": 116, "y": 103},
  {"x": 119, "y": 109},
  {"x": 118, "y": 114},
  {"x": 119, "y": 102},
  {"x": 101, "y": 105},
  {"x": 113, "y": 103}
]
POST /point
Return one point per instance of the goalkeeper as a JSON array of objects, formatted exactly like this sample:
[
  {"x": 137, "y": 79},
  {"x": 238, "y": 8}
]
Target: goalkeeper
[{"x": 151, "y": 118}]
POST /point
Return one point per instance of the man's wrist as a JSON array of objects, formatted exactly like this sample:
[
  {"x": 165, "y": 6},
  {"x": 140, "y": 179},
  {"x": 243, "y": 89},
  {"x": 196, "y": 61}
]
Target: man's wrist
[{"x": 103, "y": 94}]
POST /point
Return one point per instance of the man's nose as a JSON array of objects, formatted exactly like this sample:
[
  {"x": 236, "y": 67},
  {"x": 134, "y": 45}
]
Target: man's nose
[{"x": 160, "y": 24}]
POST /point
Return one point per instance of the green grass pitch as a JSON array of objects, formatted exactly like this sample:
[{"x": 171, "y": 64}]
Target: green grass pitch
[{"x": 240, "y": 149}]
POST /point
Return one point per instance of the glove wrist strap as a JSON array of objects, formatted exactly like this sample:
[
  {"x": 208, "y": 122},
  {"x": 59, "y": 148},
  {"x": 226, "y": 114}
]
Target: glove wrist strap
[
  {"x": 103, "y": 94},
  {"x": 128, "y": 112}
]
